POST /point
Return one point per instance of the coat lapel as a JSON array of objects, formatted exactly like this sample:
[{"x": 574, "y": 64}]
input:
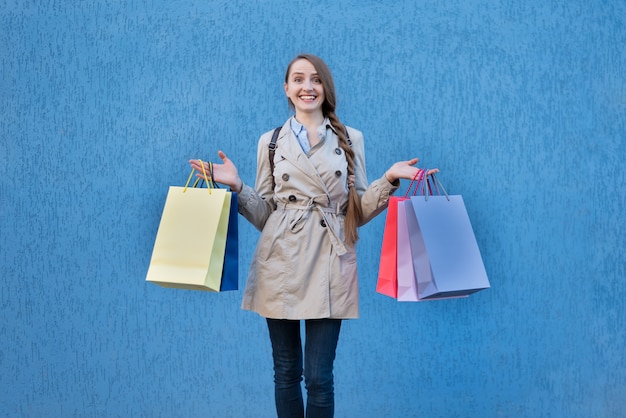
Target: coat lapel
[{"x": 289, "y": 148}]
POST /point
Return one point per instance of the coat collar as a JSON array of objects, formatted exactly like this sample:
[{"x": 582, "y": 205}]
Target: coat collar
[{"x": 288, "y": 147}]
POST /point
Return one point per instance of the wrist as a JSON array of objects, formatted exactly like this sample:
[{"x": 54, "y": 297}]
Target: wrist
[{"x": 238, "y": 188}]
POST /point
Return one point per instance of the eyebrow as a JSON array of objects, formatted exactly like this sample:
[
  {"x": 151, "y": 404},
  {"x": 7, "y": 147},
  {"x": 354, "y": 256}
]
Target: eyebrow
[{"x": 300, "y": 73}]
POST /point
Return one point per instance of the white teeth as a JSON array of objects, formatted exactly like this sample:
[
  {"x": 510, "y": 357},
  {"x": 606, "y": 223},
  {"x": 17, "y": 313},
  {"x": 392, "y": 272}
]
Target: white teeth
[{"x": 307, "y": 97}]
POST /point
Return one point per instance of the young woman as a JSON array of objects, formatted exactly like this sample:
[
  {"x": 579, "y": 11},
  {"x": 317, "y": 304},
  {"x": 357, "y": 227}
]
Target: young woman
[{"x": 308, "y": 203}]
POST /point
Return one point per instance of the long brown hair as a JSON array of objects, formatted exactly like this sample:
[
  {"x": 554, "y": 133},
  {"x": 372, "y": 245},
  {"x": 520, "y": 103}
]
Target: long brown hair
[{"x": 354, "y": 212}]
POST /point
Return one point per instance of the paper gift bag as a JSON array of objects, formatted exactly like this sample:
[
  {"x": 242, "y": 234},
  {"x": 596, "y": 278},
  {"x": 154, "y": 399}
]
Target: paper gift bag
[
  {"x": 190, "y": 244},
  {"x": 407, "y": 284},
  {"x": 387, "y": 283},
  {"x": 446, "y": 257},
  {"x": 230, "y": 274},
  {"x": 408, "y": 230}
]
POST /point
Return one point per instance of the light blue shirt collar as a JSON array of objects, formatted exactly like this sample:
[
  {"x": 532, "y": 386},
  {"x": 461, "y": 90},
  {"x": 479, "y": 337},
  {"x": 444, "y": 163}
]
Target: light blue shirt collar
[{"x": 301, "y": 133}]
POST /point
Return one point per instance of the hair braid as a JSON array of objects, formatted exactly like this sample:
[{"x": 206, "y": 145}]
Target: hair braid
[{"x": 354, "y": 212}]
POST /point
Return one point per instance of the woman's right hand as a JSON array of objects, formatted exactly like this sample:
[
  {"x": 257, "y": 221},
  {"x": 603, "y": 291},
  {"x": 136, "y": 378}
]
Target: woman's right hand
[{"x": 225, "y": 173}]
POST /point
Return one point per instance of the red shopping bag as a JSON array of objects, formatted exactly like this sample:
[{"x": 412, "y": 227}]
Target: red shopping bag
[
  {"x": 387, "y": 271},
  {"x": 387, "y": 283}
]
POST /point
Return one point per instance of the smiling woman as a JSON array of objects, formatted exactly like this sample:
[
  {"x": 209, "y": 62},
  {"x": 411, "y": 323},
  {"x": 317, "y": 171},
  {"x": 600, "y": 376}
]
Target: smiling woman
[
  {"x": 305, "y": 90},
  {"x": 308, "y": 203}
]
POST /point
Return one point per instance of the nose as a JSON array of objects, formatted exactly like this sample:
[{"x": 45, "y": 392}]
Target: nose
[{"x": 308, "y": 85}]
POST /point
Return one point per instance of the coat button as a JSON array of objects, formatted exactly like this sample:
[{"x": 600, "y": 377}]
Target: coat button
[
  {"x": 285, "y": 177},
  {"x": 338, "y": 151},
  {"x": 338, "y": 173},
  {"x": 292, "y": 198},
  {"x": 323, "y": 223}
]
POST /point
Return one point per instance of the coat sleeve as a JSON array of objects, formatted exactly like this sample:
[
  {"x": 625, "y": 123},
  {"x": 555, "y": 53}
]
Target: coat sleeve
[
  {"x": 375, "y": 197},
  {"x": 257, "y": 204}
]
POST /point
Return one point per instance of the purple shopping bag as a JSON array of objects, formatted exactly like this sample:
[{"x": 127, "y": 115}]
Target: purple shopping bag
[
  {"x": 415, "y": 255},
  {"x": 446, "y": 257},
  {"x": 407, "y": 285}
]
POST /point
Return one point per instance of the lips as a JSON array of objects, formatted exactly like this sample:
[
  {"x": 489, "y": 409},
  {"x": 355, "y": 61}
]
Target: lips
[{"x": 308, "y": 98}]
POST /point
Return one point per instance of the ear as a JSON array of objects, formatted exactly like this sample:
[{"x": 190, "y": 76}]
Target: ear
[{"x": 285, "y": 87}]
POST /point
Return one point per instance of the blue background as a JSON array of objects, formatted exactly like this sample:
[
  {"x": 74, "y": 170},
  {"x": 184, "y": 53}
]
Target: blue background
[{"x": 522, "y": 105}]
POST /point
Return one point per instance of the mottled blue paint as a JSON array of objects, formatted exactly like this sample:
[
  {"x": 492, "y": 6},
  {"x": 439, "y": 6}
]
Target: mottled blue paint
[{"x": 522, "y": 105}]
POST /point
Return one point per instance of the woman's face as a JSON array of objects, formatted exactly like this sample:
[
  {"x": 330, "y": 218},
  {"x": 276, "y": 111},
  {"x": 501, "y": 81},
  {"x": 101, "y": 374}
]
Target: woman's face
[{"x": 304, "y": 87}]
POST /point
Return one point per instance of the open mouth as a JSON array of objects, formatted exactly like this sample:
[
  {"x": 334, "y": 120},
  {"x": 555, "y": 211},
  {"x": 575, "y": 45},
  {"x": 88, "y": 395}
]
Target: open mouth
[{"x": 308, "y": 98}]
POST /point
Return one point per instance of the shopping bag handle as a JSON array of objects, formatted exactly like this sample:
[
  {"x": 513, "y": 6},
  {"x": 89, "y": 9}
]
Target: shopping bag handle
[
  {"x": 433, "y": 182},
  {"x": 210, "y": 183},
  {"x": 423, "y": 183},
  {"x": 419, "y": 176}
]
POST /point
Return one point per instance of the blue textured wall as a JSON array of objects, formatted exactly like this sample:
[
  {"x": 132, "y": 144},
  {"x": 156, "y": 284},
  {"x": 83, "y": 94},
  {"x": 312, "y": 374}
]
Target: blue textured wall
[{"x": 522, "y": 105}]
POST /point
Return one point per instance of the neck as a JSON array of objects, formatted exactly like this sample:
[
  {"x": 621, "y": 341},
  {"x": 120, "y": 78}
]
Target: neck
[{"x": 310, "y": 119}]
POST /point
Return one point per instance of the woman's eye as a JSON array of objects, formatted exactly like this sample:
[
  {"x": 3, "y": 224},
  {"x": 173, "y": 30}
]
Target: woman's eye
[
  {"x": 298, "y": 80},
  {"x": 317, "y": 81}
]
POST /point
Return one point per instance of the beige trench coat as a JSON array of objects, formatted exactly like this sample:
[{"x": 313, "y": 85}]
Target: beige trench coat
[{"x": 302, "y": 269}]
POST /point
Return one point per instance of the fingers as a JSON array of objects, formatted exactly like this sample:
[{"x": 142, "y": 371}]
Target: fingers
[
  {"x": 222, "y": 155},
  {"x": 430, "y": 170},
  {"x": 200, "y": 169},
  {"x": 195, "y": 164}
]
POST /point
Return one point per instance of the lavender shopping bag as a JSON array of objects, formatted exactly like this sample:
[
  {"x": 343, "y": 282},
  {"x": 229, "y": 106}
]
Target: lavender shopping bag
[
  {"x": 407, "y": 285},
  {"x": 446, "y": 257}
]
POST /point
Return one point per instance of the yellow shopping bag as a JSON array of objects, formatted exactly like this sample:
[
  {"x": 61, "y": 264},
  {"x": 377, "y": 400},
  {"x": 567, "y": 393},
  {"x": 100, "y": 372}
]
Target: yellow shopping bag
[{"x": 190, "y": 243}]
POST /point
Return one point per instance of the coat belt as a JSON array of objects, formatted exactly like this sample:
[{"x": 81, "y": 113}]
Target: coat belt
[{"x": 298, "y": 223}]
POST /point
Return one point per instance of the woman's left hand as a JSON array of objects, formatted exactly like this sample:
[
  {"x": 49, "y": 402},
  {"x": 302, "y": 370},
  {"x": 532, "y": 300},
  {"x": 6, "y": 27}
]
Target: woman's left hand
[{"x": 405, "y": 170}]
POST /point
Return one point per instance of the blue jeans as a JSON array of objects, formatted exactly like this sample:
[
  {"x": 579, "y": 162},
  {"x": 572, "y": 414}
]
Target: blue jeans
[{"x": 321, "y": 336}]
